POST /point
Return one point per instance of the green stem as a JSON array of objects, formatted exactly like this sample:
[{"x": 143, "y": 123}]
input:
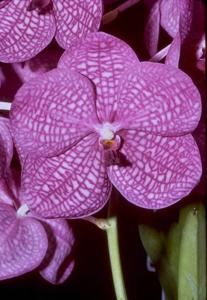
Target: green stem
[
  {"x": 192, "y": 261},
  {"x": 114, "y": 256}
]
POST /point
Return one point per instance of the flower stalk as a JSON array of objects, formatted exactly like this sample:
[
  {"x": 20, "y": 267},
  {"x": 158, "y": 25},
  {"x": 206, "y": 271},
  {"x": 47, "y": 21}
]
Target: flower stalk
[
  {"x": 113, "y": 14},
  {"x": 114, "y": 254}
]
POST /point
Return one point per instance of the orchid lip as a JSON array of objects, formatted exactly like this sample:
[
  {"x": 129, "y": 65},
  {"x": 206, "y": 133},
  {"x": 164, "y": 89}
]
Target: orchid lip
[{"x": 108, "y": 137}]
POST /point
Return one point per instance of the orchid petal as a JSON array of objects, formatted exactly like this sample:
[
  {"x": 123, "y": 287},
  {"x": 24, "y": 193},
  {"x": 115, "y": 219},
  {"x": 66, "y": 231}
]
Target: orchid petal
[
  {"x": 51, "y": 112},
  {"x": 170, "y": 16},
  {"x": 6, "y": 146},
  {"x": 23, "y": 33},
  {"x": 4, "y": 3},
  {"x": 173, "y": 55},
  {"x": 45, "y": 61},
  {"x": 58, "y": 263},
  {"x": 158, "y": 98},
  {"x": 187, "y": 8},
  {"x": 6, "y": 195},
  {"x": 73, "y": 184},
  {"x": 75, "y": 19},
  {"x": 152, "y": 29},
  {"x": 23, "y": 243},
  {"x": 102, "y": 58},
  {"x": 161, "y": 170}
]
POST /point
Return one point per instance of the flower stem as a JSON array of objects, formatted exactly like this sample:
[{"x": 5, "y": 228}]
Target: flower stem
[
  {"x": 114, "y": 255},
  {"x": 113, "y": 14}
]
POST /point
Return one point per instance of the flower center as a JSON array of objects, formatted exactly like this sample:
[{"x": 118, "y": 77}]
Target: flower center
[
  {"x": 42, "y": 6},
  {"x": 23, "y": 210},
  {"x": 111, "y": 142}
]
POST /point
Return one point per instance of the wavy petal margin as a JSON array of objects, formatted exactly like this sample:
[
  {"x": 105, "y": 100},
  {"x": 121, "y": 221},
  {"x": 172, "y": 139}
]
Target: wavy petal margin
[
  {"x": 23, "y": 243},
  {"x": 52, "y": 112},
  {"x": 59, "y": 261},
  {"x": 75, "y": 19},
  {"x": 157, "y": 98},
  {"x": 71, "y": 185},
  {"x": 161, "y": 171},
  {"x": 23, "y": 33},
  {"x": 152, "y": 29},
  {"x": 103, "y": 58}
]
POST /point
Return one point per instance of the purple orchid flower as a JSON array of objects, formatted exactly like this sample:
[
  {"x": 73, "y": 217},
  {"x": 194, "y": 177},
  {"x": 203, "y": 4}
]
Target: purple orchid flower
[
  {"x": 27, "y": 242},
  {"x": 103, "y": 117},
  {"x": 182, "y": 20},
  {"x": 28, "y": 26}
]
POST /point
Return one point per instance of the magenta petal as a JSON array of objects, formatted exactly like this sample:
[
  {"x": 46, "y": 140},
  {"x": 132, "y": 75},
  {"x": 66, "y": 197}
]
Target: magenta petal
[
  {"x": 158, "y": 98},
  {"x": 51, "y": 112},
  {"x": 170, "y": 16},
  {"x": 23, "y": 243},
  {"x": 102, "y": 58},
  {"x": 23, "y": 33},
  {"x": 6, "y": 145},
  {"x": 75, "y": 19},
  {"x": 58, "y": 263},
  {"x": 73, "y": 184},
  {"x": 173, "y": 55},
  {"x": 161, "y": 170},
  {"x": 187, "y": 9},
  {"x": 152, "y": 29},
  {"x": 6, "y": 195}
]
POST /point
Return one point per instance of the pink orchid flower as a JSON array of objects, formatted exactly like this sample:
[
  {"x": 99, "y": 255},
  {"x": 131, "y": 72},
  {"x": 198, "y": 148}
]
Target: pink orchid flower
[
  {"x": 28, "y": 26},
  {"x": 182, "y": 20},
  {"x": 102, "y": 118},
  {"x": 27, "y": 242}
]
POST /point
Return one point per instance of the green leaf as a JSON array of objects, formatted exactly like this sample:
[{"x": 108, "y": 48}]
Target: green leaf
[
  {"x": 179, "y": 253},
  {"x": 192, "y": 259}
]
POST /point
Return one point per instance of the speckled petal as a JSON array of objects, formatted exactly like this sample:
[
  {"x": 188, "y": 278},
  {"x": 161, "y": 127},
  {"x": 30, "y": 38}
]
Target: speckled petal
[
  {"x": 23, "y": 243},
  {"x": 152, "y": 29},
  {"x": 59, "y": 261},
  {"x": 73, "y": 184},
  {"x": 187, "y": 9},
  {"x": 6, "y": 195},
  {"x": 75, "y": 19},
  {"x": 163, "y": 170},
  {"x": 23, "y": 33},
  {"x": 170, "y": 16},
  {"x": 51, "y": 112},
  {"x": 158, "y": 98},
  {"x": 102, "y": 58},
  {"x": 4, "y": 3},
  {"x": 6, "y": 145},
  {"x": 176, "y": 16},
  {"x": 173, "y": 55},
  {"x": 45, "y": 61}
]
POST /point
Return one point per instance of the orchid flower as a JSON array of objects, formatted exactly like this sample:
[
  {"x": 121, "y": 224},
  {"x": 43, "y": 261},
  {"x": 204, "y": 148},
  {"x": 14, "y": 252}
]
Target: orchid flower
[
  {"x": 28, "y": 242},
  {"x": 182, "y": 20},
  {"x": 102, "y": 118},
  {"x": 28, "y": 26}
]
